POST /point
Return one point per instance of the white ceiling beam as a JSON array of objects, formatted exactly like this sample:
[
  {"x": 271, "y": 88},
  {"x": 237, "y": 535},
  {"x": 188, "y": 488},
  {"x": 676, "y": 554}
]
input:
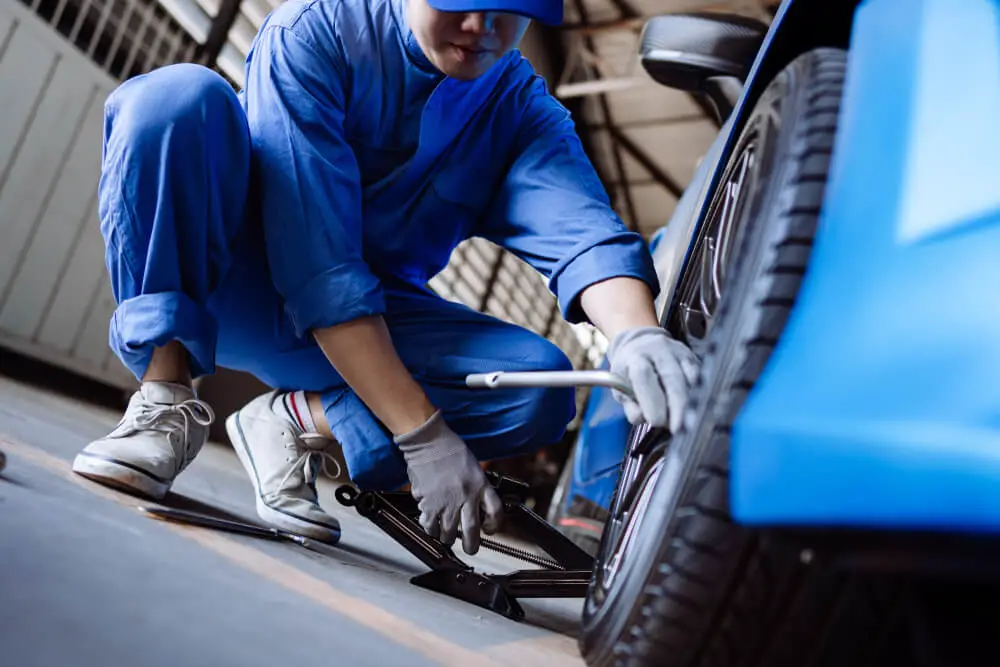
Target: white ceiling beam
[{"x": 597, "y": 86}]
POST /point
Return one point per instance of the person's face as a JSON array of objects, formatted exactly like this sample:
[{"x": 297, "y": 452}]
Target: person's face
[{"x": 463, "y": 45}]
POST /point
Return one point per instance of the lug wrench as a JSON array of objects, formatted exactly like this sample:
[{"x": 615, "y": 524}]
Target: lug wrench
[{"x": 501, "y": 379}]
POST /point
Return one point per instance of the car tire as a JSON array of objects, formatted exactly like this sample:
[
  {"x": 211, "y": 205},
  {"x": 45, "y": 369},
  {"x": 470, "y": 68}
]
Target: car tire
[{"x": 686, "y": 586}]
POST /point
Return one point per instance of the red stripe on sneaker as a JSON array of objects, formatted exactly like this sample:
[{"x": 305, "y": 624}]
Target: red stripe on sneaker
[{"x": 298, "y": 416}]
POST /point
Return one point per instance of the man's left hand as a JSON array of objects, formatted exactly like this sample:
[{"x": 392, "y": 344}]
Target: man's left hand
[{"x": 661, "y": 371}]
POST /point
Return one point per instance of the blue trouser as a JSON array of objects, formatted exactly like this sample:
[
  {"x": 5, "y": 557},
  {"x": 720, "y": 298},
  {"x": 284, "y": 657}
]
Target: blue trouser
[{"x": 187, "y": 263}]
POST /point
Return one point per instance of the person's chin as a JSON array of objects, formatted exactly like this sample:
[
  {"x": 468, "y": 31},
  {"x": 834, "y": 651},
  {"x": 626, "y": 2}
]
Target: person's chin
[{"x": 467, "y": 69}]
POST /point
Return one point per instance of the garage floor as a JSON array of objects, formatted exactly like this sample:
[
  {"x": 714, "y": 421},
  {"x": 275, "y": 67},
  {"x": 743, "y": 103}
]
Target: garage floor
[{"x": 86, "y": 579}]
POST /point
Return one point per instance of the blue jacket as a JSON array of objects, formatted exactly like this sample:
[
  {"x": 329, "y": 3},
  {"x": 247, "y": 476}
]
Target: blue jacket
[{"x": 373, "y": 166}]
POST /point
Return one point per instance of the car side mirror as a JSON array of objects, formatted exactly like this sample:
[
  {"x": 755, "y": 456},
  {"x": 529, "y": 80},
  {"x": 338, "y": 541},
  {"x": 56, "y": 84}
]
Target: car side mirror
[{"x": 702, "y": 52}]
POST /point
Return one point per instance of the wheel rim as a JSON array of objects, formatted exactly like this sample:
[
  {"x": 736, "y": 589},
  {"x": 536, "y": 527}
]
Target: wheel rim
[
  {"x": 629, "y": 528},
  {"x": 701, "y": 288},
  {"x": 702, "y": 285}
]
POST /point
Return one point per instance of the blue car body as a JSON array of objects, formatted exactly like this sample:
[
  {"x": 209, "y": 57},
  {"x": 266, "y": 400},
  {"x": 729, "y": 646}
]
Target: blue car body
[
  {"x": 880, "y": 407},
  {"x": 600, "y": 447}
]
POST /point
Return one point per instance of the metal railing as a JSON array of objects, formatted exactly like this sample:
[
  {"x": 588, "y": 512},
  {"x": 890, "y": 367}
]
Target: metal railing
[{"x": 122, "y": 37}]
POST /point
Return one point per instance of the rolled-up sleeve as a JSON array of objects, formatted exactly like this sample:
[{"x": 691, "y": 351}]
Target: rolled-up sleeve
[
  {"x": 309, "y": 182},
  {"x": 553, "y": 212}
]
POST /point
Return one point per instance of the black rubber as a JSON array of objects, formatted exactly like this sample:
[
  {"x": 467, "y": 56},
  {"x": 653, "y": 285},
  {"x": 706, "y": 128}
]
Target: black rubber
[{"x": 698, "y": 590}]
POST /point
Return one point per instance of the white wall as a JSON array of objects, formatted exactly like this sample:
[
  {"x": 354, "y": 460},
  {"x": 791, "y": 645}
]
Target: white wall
[{"x": 55, "y": 297}]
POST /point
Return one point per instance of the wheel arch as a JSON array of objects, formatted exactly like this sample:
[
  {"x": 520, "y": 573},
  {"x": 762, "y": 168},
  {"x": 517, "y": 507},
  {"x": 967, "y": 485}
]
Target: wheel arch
[{"x": 799, "y": 26}]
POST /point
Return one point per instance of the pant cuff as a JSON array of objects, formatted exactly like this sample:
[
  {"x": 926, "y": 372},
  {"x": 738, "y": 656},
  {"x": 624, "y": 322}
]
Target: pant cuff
[
  {"x": 374, "y": 463},
  {"x": 147, "y": 321}
]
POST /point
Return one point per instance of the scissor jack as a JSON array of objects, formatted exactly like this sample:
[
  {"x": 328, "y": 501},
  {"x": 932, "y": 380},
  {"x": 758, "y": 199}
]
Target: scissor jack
[{"x": 564, "y": 575}]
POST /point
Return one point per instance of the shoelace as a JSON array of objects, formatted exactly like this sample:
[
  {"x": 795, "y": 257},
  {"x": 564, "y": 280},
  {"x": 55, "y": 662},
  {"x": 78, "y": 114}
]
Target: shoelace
[
  {"x": 192, "y": 410},
  {"x": 316, "y": 451}
]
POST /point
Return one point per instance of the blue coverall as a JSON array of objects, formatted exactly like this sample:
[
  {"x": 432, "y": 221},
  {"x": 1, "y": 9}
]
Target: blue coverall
[{"x": 334, "y": 186}]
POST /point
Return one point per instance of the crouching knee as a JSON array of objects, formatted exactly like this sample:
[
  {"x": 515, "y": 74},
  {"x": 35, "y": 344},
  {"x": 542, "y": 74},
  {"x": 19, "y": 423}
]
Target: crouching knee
[
  {"x": 546, "y": 411},
  {"x": 180, "y": 103},
  {"x": 548, "y": 414}
]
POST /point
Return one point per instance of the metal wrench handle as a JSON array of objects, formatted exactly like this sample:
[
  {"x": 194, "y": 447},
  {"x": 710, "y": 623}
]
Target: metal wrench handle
[{"x": 550, "y": 379}]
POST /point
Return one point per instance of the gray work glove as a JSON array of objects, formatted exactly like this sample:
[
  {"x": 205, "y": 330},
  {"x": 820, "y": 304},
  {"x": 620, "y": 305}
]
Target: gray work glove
[
  {"x": 448, "y": 484},
  {"x": 660, "y": 369}
]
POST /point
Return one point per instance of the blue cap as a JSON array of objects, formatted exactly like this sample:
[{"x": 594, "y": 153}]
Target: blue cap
[{"x": 549, "y": 12}]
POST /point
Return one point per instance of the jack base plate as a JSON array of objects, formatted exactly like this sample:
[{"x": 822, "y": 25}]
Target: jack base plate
[
  {"x": 396, "y": 514},
  {"x": 471, "y": 587}
]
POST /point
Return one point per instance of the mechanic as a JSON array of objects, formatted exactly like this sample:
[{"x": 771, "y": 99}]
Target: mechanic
[{"x": 289, "y": 231}]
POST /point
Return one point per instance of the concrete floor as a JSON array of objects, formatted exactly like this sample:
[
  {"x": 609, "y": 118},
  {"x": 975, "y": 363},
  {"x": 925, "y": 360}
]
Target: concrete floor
[{"x": 86, "y": 579}]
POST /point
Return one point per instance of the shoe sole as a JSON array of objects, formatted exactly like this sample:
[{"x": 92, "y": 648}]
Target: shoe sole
[
  {"x": 120, "y": 476},
  {"x": 276, "y": 518}
]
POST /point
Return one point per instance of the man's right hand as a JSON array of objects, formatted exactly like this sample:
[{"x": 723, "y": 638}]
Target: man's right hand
[
  {"x": 449, "y": 485},
  {"x": 446, "y": 479}
]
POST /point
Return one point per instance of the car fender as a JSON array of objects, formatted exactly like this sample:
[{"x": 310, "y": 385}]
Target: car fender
[{"x": 881, "y": 403}]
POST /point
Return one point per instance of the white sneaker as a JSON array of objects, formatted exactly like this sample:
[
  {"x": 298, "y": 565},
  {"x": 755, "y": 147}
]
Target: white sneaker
[
  {"x": 163, "y": 429},
  {"x": 283, "y": 463}
]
